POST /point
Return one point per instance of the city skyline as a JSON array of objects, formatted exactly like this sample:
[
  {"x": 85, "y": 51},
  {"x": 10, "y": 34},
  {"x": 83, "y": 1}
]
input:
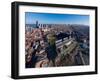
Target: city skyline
[{"x": 51, "y": 18}]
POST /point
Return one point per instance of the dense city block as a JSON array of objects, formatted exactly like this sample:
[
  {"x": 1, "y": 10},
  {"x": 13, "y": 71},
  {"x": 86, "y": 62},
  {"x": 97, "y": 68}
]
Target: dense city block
[{"x": 55, "y": 45}]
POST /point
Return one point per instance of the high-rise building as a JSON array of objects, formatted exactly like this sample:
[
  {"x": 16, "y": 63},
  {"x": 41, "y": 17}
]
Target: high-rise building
[{"x": 37, "y": 26}]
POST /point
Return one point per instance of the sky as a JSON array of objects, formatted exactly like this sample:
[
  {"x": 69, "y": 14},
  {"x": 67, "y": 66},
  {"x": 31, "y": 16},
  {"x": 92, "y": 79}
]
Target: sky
[{"x": 52, "y": 18}]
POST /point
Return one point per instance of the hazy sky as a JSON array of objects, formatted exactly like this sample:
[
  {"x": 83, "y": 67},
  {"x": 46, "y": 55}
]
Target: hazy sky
[{"x": 50, "y": 18}]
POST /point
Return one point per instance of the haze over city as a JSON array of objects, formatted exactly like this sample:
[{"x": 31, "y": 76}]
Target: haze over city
[{"x": 50, "y": 18}]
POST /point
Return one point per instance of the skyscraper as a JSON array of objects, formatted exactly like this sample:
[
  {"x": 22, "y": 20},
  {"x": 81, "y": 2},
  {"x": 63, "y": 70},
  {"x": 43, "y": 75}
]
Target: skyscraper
[{"x": 37, "y": 26}]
